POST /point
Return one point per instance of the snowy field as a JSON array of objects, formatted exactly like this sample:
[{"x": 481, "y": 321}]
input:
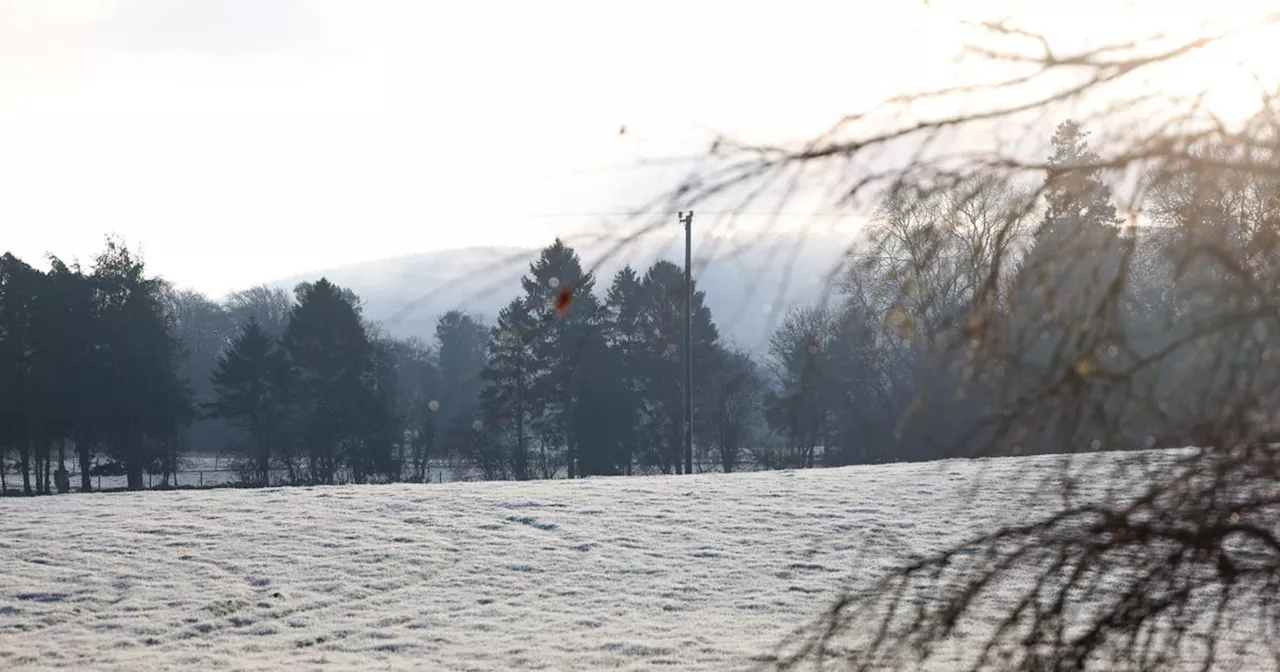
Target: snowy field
[{"x": 699, "y": 572}]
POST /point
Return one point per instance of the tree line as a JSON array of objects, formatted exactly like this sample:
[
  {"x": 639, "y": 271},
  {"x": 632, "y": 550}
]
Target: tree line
[
  {"x": 988, "y": 315},
  {"x": 111, "y": 369},
  {"x": 570, "y": 381}
]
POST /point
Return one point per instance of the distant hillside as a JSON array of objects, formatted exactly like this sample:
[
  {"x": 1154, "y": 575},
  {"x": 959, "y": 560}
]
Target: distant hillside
[{"x": 745, "y": 280}]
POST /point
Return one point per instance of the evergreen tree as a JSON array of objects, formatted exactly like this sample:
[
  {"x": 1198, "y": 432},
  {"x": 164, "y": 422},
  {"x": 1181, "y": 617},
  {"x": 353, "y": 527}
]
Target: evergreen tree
[
  {"x": 415, "y": 404},
  {"x": 331, "y": 361},
  {"x": 147, "y": 401},
  {"x": 662, "y": 360},
  {"x": 604, "y": 413},
  {"x": 864, "y": 411},
  {"x": 66, "y": 328},
  {"x": 384, "y": 431},
  {"x": 18, "y": 291},
  {"x": 1071, "y": 276},
  {"x": 625, "y": 337},
  {"x": 557, "y": 291},
  {"x": 1075, "y": 194},
  {"x": 509, "y": 376},
  {"x": 1080, "y": 216},
  {"x": 462, "y": 342},
  {"x": 250, "y": 383}
]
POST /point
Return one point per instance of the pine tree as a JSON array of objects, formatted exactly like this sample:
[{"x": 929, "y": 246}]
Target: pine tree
[
  {"x": 604, "y": 411},
  {"x": 71, "y": 324},
  {"x": 509, "y": 376},
  {"x": 146, "y": 401},
  {"x": 384, "y": 430},
  {"x": 1080, "y": 216},
  {"x": 626, "y": 340},
  {"x": 331, "y": 360},
  {"x": 250, "y": 383},
  {"x": 64, "y": 364},
  {"x": 462, "y": 342},
  {"x": 18, "y": 290},
  {"x": 662, "y": 316},
  {"x": 417, "y": 403},
  {"x": 557, "y": 291},
  {"x": 1078, "y": 202},
  {"x": 1069, "y": 277}
]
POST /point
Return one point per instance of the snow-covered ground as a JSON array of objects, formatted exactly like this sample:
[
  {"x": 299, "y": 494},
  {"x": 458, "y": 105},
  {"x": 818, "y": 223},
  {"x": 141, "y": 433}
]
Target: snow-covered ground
[{"x": 698, "y": 572}]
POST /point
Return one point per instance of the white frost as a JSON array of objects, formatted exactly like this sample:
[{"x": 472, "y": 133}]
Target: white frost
[{"x": 698, "y": 572}]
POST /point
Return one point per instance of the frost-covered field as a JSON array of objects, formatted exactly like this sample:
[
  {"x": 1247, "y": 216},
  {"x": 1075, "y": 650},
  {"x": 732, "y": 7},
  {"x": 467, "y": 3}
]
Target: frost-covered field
[{"x": 699, "y": 572}]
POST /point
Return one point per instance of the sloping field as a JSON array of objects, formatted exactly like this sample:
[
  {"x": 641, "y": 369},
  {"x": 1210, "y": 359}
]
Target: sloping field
[{"x": 699, "y": 572}]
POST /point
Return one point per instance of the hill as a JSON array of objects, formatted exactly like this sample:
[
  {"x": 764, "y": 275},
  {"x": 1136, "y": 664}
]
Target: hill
[{"x": 750, "y": 283}]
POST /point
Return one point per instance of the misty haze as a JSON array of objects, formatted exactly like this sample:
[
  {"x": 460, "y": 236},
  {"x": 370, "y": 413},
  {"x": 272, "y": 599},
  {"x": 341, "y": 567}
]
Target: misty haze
[{"x": 931, "y": 335}]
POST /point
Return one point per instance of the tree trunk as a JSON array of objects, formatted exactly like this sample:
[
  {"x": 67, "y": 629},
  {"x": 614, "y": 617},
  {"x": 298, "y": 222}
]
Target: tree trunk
[
  {"x": 37, "y": 467},
  {"x": 571, "y": 442},
  {"x": 133, "y": 468},
  {"x": 48, "y": 467},
  {"x": 264, "y": 465},
  {"x": 24, "y": 461},
  {"x": 83, "y": 447},
  {"x": 171, "y": 464},
  {"x": 63, "y": 482},
  {"x": 400, "y": 456},
  {"x": 675, "y": 450}
]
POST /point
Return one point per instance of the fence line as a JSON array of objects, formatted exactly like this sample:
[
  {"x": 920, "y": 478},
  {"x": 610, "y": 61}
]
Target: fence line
[{"x": 438, "y": 471}]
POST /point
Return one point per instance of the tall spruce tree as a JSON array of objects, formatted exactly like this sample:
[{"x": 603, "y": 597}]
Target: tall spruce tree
[
  {"x": 384, "y": 431},
  {"x": 603, "y": 411},
  {"x": 1080, "y": 216},
  {"x": 250, "y": 382},
  {"x": 509, "y": 376},
  {"x": 331, "y": 360},
  {"x": 561, "y": 295},
  {"x": 662, "y": 359},
  {"x": 462, "y": 341},
  {"x": 625, "y": 337}
]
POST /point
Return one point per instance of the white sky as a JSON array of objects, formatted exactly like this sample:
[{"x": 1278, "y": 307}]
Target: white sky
[{"x": 239, "y": 141}]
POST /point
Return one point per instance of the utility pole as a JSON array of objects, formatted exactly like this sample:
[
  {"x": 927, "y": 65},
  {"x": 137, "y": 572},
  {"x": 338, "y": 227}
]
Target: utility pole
[
  {"x": 686, "y": 218},
  {"x": 522, "y": 457}
]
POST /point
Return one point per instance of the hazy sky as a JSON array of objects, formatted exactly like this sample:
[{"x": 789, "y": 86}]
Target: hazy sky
[{"x": 238, "y": 141}]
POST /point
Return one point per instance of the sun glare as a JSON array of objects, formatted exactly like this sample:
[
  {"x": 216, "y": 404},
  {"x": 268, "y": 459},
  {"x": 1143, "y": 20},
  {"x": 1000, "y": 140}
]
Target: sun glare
[
  {"x": 1230, "y": 76},
  {"x": 1235, "y": 75}
]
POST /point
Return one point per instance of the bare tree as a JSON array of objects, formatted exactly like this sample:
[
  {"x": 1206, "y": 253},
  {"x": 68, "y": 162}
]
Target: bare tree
[
  {"x": 1069, "y": 350},
  {"x": 735, "y": 407}
]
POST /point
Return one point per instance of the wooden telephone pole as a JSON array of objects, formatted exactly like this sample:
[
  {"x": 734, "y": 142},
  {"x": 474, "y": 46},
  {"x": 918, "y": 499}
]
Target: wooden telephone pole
[{"x": 686, "y": 218}]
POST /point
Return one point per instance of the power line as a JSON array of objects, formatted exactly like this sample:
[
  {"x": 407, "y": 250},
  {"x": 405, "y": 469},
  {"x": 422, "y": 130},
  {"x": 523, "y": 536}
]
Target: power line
[{"x": 656, "y": 213}]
